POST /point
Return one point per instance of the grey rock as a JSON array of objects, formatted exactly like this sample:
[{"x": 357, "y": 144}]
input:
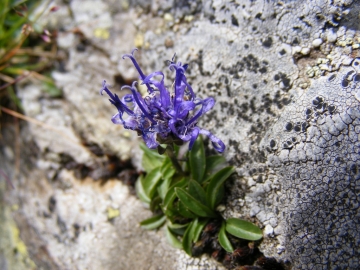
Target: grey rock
[{"x": 287, "y": 109}]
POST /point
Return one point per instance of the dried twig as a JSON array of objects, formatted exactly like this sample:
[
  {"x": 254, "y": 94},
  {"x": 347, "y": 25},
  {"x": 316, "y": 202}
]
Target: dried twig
[
  {"x": 37, "y": 122},
  {"x": 13, "y": 80},
  {"x": 7, "y": 179},
  {"x": 32, "y": 52}
]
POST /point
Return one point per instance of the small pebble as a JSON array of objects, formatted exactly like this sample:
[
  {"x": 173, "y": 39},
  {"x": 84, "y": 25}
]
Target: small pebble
[
  {"x": 168, "y": 17},
  {"x": 169, "y": 43},
  {"x": 9, "y": 153},
  {"x": 317, "y": 42},
  {"x": 296, "y": 49},
  {"x": 280, "y": 249},
  {"x": 305, "y": 51},
  {"x": 269, "y": 230},
  {"x": 331, "y": 37}
]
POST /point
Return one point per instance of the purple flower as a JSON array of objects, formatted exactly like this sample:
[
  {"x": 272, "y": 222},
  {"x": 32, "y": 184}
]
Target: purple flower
[{"x": 161, "y": 116}]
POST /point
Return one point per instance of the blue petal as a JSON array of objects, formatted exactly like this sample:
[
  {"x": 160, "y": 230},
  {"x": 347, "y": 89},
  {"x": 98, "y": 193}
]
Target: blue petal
[
  {"x": 216, "y": 142},
  {"x": 164, "y": 93},
  {"x": 139, "y": 101},
  {"x": 136, "y": 65},
  {"x": 206, "y": 105},
  {"x": 184, "y": 108},
  {"x": 194, "y": 135},
  {"x": 180, "y": 130},
  {"x": 116, "y": 119},
  {"x": 114, "y": 99},
  {"x": 131, "y": 123},
  {"x": 150, "y": 140}
]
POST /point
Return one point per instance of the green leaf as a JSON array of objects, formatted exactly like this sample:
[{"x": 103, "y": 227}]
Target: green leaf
[
  {"x": 52, "y": 90},
  {"x": 212, "y": 163},
  {"x": 150, "y": 182},
  {"x": 198, "y": 228},
  {"x": 224, "y": 240},
  {"x": 170, "y": 213},
  {"x": 167, "y": 172},
  {"x": 219, "y": 196},
  {"x": 188, "y": 237},
  {"x": 215, "y": 185},
  {"x": 155, "y": 203},
  {"x": 196, "y": 190},
  {"x": 167, "y": 169},
  {"x": 192, "y": 234},
  {"x": 153, "y": 222},
  {"x": 171, "y": 195},
  {"x": 184, "y": 211},
  {"x": 243, "y": 229},
  {"x": 178, "y": 228},
  {"x": 164, "y": 187},
  {"x": 14, "y": 98},
  {"x": 151, "y": 159},
  {"x": 193, "y": 204},
  {"x": 151, "y": 152},
  {"x": 177, "y": 148},
  {"x": 149, "y": 163},
  {"x": 172, "y": 239},
  {"x": 197, "y": 160},
  {"x": 140, "y": 192}
]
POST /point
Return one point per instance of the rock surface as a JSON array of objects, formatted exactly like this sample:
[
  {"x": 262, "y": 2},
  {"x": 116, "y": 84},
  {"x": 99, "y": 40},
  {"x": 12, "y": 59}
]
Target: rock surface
[{"x": 285, "y": 77}]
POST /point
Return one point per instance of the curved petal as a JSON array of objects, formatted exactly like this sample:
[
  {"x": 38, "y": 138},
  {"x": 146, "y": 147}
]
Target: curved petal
[
  {"x": 148, "y": 79},
  {"x": 164, "y": 93},
  {"x": 192, "y": 94},
  {"x": 120, "y": 106},
  {"x": 216, "y": 142},
  {"x": 179, "y": 94},
  {"x": 206, "y": 105},
  {"x": 115, "y": 100},
  {"x": 184, "y": 108},
  {"x": 128, "y": 98},
  {"x": 194, "y": 135},
  {"x": 150, "y": 139},
  {"x": 104, "y": 88},
  {"x": 131, "y": 123},
  {"x": 117, "y": 119},
  {"x": 139, "y": 100},
  {"x": 175, "y": 130},
  {"x": 136, "y": 65}
]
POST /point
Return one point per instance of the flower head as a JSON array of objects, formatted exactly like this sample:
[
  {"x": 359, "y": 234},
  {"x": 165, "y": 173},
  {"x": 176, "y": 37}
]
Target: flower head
[{"x": 161, "y": 116}]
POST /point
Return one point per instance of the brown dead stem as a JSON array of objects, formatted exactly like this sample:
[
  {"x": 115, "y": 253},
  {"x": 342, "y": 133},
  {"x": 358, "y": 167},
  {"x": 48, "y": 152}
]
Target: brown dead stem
[{"x": 37, "y": 122}]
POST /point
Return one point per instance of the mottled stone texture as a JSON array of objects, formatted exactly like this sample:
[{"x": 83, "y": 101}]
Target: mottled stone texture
[
  {"x": 314, "y": 151},
  {"x": 285, "y": 75}
]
